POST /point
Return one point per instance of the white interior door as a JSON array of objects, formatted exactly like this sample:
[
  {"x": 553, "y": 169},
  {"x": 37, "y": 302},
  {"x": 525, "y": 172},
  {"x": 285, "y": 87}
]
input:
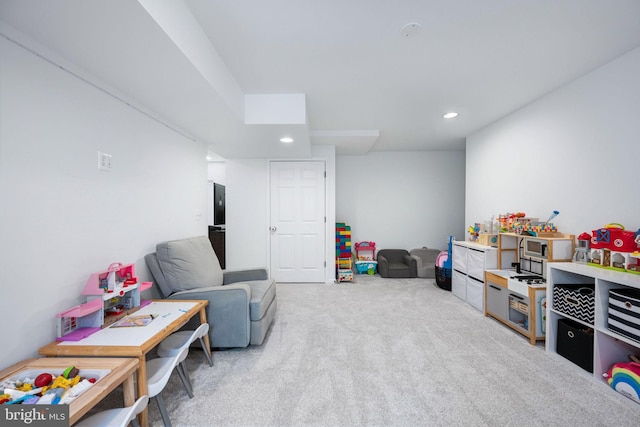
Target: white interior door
[{"x": 297, "y": 198}]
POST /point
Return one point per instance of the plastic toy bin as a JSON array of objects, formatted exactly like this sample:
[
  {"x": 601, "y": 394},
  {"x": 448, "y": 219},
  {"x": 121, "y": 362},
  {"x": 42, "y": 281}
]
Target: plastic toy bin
[
  {"x": 28, "y": 375},
  {"x": 366, "y": 267}
]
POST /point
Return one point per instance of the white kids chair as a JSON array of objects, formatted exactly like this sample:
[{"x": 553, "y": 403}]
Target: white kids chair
[
  {"x": 158, "y": 372},
  {"x": 175, "y": 342},
  {"x": 118, "y": 417}
]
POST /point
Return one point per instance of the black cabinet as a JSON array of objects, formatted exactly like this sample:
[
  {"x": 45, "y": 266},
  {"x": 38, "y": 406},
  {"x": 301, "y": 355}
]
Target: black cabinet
[{"x": 217, "y": 238}]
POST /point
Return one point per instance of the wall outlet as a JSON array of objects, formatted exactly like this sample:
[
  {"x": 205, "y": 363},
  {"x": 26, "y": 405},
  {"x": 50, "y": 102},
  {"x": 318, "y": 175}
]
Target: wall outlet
[
  {"x": 197, "y": 215},
  {"x": 104, "y": 161}
]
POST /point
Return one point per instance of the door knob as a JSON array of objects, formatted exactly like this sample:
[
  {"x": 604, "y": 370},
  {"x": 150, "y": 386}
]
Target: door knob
[{"x": 273, "y": 229}]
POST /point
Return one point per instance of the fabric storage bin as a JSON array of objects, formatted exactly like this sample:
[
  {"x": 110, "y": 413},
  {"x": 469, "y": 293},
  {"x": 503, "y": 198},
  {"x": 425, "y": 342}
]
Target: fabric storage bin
[
  {"x": 624, "y": 312},
  {"x": 575, "y": 343},
  {"x": 575, "y": 300}
]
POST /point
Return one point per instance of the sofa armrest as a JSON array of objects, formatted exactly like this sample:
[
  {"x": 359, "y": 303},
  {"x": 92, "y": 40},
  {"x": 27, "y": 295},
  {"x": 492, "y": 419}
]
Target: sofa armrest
[
  {"x": 413, "y": 265},
  {"x": 227, "y": 313},
  {"x": 244, "y": 275},
  {"x": 409, "y": 260},
  {"x": 214, "y": 292},
  {"x": 382, "y": 261},
  {"x": 418, "y": 261}
]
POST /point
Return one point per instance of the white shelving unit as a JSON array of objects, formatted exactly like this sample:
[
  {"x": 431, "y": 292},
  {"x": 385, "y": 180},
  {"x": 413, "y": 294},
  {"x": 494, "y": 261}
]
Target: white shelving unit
[
  {"x": 469, "y": 261},
  {"x": 608, "y": 347}
]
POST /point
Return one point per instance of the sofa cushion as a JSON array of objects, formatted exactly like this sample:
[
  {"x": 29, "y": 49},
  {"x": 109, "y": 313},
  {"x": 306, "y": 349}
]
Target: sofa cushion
[
  {"x": 262, "y": 294},
  {"x": 189, "y": 264}
]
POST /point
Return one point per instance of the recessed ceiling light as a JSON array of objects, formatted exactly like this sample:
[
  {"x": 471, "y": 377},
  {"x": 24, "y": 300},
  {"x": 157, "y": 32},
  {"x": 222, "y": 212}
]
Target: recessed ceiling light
[
  {"x": 286, "y": 140},
  {"x": 450, "y": 115}
]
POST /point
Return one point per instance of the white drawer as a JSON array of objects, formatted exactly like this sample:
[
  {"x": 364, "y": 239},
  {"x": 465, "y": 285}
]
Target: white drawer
[
  {"x": 459, "y": 284},
  {"x": 475, "y": 293},
  {"x": 459, "y": 258},
  {"x": 475, "y": 263}
]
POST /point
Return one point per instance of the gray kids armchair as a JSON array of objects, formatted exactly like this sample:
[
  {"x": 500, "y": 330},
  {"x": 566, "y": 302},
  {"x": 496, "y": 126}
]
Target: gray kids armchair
[
  {"x": 396, "y": 263},
  {"x": 242, "y": 304}
]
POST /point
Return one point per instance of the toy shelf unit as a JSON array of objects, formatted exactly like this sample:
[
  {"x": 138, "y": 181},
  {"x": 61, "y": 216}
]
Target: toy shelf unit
[
  {"x": 111, "y": 295},
  {"x": 584, "y": 330}
]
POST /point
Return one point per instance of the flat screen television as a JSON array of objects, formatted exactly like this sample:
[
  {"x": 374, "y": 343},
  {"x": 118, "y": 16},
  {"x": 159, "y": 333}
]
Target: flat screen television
[{"x": 218, "y": 205}]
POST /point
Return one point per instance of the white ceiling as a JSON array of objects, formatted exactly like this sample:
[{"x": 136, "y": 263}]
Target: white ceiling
[{"x": 367, "y": 86}]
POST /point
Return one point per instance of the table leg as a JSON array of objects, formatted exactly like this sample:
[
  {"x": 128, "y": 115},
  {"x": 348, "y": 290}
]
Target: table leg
[
  {"x": 143, "y": 417},
  {"x": 203, "y": 319},
  {"x": 128, "y": 391}
]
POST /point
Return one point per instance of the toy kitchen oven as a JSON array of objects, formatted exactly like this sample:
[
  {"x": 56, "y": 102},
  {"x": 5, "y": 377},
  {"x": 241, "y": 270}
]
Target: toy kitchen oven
[{"x": 518, "y": 301}]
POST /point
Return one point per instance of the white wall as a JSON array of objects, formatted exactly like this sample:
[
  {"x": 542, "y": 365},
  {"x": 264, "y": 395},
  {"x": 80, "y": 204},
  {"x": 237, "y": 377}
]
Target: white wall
[
  {"x": 246, "y": 214},
  {"x": 216, "y": 171},
  {"x": 60, "y": 218},
  {"x": 402, "y": 200},
  {"x": 575, "y": 150}
]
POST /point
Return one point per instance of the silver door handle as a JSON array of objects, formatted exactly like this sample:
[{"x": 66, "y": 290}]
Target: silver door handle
[{"x": 273, "y": 229}]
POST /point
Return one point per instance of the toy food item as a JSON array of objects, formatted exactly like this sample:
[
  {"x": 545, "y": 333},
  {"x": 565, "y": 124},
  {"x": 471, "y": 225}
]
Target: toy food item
[
  {"x": 43, "y": 380},
  {"x": 70, "y": 372}
]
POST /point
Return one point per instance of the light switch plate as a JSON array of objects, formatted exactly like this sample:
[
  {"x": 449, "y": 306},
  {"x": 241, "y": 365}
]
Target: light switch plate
[{"x": 104, "y": 161}]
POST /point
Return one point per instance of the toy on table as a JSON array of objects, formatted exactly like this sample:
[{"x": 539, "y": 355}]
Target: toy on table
[{"x": 111, "y": 295}]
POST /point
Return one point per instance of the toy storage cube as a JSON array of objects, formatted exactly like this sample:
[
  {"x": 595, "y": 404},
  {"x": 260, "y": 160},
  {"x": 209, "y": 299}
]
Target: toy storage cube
[
  {"x": 624, "y": 312},
  {"x": 575, "y": 343},
  {"x": 575, "y": 300}
]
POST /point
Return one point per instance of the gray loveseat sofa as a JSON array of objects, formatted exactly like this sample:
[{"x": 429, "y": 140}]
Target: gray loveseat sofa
[{"x": 242, "y": 304}]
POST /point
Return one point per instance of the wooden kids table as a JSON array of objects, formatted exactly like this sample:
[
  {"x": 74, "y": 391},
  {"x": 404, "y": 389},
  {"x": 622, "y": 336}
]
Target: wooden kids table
[
  {"x": 135, "y": 341},
  {"x": 120, "y": 372}
]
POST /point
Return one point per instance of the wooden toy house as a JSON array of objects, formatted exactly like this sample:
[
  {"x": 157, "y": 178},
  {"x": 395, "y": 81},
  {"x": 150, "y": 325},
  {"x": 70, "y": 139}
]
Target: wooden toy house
[{"x": 111, "y": 295}]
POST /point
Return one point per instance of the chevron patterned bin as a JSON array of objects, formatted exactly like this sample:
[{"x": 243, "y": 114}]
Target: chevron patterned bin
[
  {"x": 624, "y": 312},
  {"x": 577, "y": 301}
]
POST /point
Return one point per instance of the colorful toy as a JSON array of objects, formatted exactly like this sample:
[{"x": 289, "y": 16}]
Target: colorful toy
[
  {"x": 344, "y": 273},
  {"x": 45, "y": 389},
  {"x": 624, "y": 377},
  {"x": 616, "y": 248},
  {"x": 474, "y": 232},
  {"x": 111, "y": 295},
  {"x": 581, "y": 253},
  {"x": 369, "y": 249}
]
